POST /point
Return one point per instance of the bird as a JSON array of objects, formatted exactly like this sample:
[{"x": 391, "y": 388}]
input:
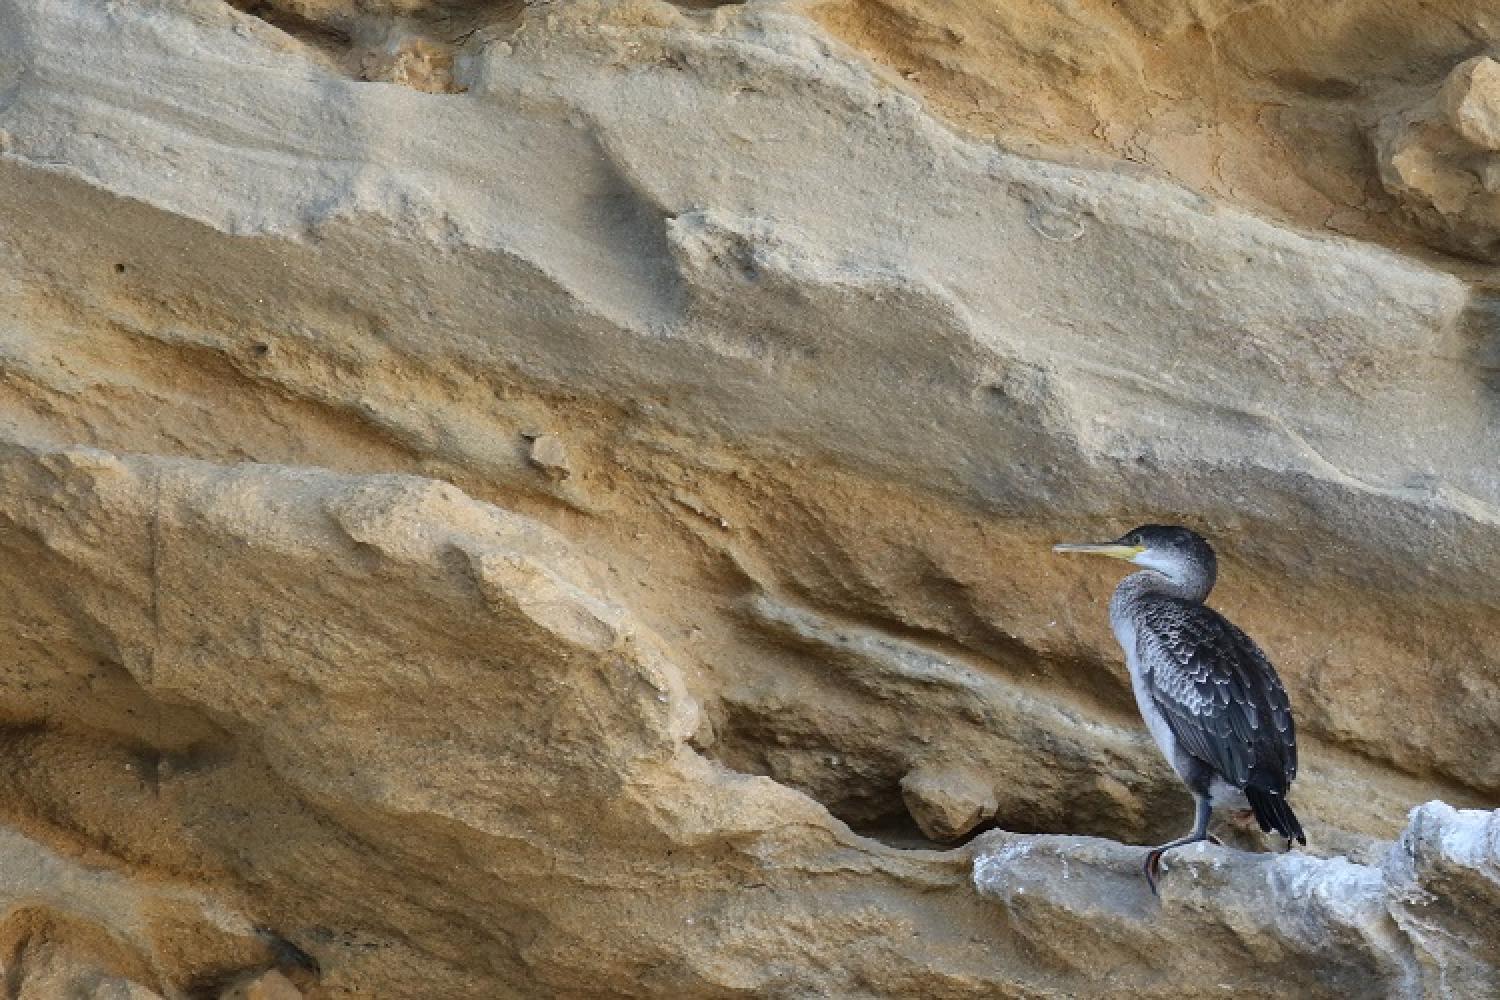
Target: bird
[{"x": 1209, "y": 697}]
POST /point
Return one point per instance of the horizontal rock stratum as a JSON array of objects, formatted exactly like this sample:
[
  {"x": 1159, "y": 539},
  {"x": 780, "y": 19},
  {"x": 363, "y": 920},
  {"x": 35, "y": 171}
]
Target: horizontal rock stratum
[{"x": 553, "y": 499}]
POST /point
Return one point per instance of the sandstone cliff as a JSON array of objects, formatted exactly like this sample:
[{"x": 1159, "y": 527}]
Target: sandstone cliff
[{"x": 553, "y": 499}]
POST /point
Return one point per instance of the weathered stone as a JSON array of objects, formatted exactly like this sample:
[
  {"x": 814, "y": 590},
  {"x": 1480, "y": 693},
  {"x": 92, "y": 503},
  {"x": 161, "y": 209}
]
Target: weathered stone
[
  {"x": 307, "y": 667},
  {"x": 75, "y": 930},
  {"x": 947, "y": 804},
  {"x": 1471, "y": 100},
  {"x": 1440, "y": 158},
  {"x": 270, "y": 985},
  {"x": 549, "y": 455},
  {"x": 1265, "y": 105},
  {"x": 1327, "y": 927}
]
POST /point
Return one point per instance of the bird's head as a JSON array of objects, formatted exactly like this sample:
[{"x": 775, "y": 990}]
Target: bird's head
[{"x": 1177, "y": 553}]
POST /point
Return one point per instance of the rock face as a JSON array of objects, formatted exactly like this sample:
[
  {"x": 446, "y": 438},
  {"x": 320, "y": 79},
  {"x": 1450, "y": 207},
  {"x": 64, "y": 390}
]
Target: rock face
[
  {"x": 1275, "y": 105},
  {"x": 1441, "y": 157},
  {"x": 554, "y": 499},
  {"x": 1326, "y": 928}
]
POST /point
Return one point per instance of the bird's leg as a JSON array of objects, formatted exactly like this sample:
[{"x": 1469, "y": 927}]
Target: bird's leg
[{"x": 1152, "y": 867}]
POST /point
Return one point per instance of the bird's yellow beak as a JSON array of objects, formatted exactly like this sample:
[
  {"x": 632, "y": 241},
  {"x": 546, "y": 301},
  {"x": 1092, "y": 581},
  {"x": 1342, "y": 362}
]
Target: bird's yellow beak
[{"x": 1112, "y": 549}]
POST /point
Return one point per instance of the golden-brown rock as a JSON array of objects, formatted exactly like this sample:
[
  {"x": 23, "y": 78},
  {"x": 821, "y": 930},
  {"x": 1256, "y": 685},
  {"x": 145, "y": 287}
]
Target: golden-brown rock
[
  {"x": 947, "y": 803},
  {"x": 270, "y": 985},
  {"x": 320, "y": 656},
  {"x": 1441, "y": 158},
  {"x": 1265, "y": 104}
]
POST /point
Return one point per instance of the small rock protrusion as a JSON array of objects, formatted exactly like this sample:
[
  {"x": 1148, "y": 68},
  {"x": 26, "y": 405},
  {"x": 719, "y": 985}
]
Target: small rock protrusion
[
  {"x": 270, "y": 985},
  {"x": 1440, "y": 157},
  {"x": 1471, "y": 101},
  {"x": 414, "y": 61},
  {"x": 549, "y": 455},
  {"x": 947, "y": 802},
  {"x": 704, "y": 735}
]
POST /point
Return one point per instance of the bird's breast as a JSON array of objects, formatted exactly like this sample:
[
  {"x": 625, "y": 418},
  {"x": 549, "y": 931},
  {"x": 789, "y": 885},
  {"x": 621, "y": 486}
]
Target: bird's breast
[{"x": 1156, "y": 723}]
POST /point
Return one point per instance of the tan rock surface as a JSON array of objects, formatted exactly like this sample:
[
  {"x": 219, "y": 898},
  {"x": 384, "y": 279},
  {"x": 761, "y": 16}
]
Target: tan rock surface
[
  {"x": 947, "y": 803},
  {"x": 1441, "y": 158},
  {"x": 1471, "y": 101},
  {"x": 270, "y": 985},
  {"x": 1270, "y": 104},
  {"x": 510, "y": 528}
]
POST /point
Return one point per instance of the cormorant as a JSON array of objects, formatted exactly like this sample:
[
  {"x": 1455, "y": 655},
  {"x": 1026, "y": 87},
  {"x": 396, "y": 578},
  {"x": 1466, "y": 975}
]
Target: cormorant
[{"x": 1209, "y": 696}]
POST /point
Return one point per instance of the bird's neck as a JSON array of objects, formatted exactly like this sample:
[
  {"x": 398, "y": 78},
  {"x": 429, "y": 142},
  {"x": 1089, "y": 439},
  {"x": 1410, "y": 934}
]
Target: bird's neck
[{"x": 1192, "y": 586}]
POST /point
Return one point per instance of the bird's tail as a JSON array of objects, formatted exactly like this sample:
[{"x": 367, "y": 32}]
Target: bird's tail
[{"x": 1273, "y": 812}]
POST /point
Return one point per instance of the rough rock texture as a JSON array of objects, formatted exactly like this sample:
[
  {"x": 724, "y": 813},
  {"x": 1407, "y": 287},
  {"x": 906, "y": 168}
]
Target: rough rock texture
[
  {"x": 1273, "y": 104},
  {"x": 948, "y": 804},
  {"x": 1419, "y": 924},
  {"x": 554, "y": 501},
  {"x": 1441, "y": 157},
  {"x": 271, "y": 985}
]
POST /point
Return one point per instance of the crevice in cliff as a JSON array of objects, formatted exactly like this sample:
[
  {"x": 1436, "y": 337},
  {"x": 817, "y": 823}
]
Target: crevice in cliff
[
  {"x": 375, "y": 44},
  {"x": 290, "y": 21},
  {"x": 918, "y": 746},
  {"x": 860, "y": 785},
  {"x": 751, "y": 738}
]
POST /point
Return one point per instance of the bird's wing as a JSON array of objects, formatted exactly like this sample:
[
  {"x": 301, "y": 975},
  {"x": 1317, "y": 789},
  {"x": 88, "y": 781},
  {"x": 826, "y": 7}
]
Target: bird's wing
[{"x": 1219, "y": 694}]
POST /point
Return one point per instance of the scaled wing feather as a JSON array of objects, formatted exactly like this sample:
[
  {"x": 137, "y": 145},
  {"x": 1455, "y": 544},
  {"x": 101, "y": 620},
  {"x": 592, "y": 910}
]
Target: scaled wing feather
[{"x": 1219, "y": 694}]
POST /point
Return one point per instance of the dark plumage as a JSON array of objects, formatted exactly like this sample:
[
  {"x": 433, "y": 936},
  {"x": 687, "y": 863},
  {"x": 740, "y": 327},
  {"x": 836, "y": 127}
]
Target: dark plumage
[
  {"x": 1208, "y": 694},
  {"x": 1224, "y": 703}
]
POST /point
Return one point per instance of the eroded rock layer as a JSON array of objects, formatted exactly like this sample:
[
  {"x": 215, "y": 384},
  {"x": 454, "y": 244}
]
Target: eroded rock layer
[{"x": 554, "y": 500}]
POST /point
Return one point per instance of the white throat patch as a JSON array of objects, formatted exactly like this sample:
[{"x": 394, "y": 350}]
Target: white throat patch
[{"x": 1168, "y": 564}]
